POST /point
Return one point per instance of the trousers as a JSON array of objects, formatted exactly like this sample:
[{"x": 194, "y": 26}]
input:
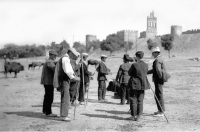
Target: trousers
[
  {"x": 159, "y": 95},
  {"x": 48, "y": 99},
  {"x": 101, "y": 89},
  {"x": 123, "y": 88},
  {"x": 65, "y": 99},
  {"x": 136, "y": 102}
]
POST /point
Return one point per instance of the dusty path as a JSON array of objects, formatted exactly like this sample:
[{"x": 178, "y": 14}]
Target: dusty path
[{"x": 21, "y": 104}]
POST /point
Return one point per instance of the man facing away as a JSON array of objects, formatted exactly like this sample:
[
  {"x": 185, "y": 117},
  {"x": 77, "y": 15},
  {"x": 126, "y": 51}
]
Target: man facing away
[
  {"x": 47, "y": 81},
  {"x": 63, "y": 74},
  {"x": 158, "y": 66},
  {"x": 123, "y": 78},
  {"x": 102, "y": 72},
  {"x": 138, "y": 83}
]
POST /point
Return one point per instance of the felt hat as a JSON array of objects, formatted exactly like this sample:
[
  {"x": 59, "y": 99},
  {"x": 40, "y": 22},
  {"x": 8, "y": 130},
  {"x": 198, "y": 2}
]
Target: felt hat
[{"x": 53, "y": 52}]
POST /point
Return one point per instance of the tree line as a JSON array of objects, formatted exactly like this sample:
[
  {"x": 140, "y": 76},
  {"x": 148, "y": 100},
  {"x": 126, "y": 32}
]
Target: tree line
[{"x": 113, "y": 42}]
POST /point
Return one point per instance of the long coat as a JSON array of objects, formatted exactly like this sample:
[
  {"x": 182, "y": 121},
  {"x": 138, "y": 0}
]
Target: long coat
[
  {"x": 48, "y": 72},
  {"x": 102, "y": 72},
  {"x": 158, "y": 66},
  {"x": 122, "y": 74},
  {"x": 138, "y": 76},
  {"x": 87, "y": 73}
]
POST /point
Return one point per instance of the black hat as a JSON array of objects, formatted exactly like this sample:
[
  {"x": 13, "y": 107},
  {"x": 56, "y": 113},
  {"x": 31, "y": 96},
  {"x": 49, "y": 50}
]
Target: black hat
[
  {"x": 139, "y": 54},
  {"x": 126, "y": 57},
  {"x": 53, "y": 52}
]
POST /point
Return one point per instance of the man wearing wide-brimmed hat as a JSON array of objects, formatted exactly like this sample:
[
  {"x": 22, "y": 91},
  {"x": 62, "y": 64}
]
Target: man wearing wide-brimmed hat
[
  {"x": 64, "y": 73},
  {"x": 47, "y": 81},
  {"x": 102, "y": 72},
  {"x": 123, "y": 77},
  {"x": 158, "y": 66}
]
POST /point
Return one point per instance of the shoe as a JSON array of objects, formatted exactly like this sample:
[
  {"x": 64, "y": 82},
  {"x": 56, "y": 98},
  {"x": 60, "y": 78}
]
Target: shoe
[
  {"x": 158, "y": 112},
  {"x": 159, "y": 115},
  {"x": 52, "y": 115},
  {"x": 81, "y": 103},
  {"x": 65, "y": 118},
  {"x": 137, "y": 118},
  {"x": 131, "y": 118}
]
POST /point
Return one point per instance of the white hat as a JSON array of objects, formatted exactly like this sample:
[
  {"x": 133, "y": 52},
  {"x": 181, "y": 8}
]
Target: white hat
[
  {"x": 104, "y": 56},
  {"x": 73, "y": 50},
  {"x": 85, "y": 54},
  {"x": 155, "y": 49}
]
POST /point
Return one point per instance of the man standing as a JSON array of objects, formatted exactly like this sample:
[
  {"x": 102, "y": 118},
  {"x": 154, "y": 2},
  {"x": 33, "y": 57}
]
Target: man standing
[
  {"x": 158, "y": 66},
  {"x": 84, "y": 73},
  {"x": 63, "y": 74},
  {"x": 47, "y": 81},
  {"x": 138, "y": 83},
  {"x": 123, "y": 78},
  {"x": 102, "y": 72}
]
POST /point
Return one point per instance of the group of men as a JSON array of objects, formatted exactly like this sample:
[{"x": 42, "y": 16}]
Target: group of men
[
  {"x": 71, "y": 77},
  {"x": 133, "y": 82}
]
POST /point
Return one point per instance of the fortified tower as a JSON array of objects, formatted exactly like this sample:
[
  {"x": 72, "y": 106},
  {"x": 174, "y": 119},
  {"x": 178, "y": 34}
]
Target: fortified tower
[
  {"x": 176, "y": 30},
  {"x": 128, "y": 35},
  {"x": 90, "y": 38},
  {"x": 151, "y": 31}
]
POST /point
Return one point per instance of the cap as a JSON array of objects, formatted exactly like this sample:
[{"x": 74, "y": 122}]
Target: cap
[
  {"x": 126, "y": 57},
  {"x": 155, "y": 49},
  {"x": 139, "y": 54},
  {"x": 103, "y": 56},
  {"x": 53, "y": 52},
  {"x": 85, "y": 54}
]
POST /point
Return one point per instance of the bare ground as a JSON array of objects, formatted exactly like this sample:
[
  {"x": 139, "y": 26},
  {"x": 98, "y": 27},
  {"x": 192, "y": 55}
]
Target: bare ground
[{"x": 21, "y": 104}]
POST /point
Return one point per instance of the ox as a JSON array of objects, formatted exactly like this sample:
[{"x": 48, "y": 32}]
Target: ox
[
  {"x": 34, "y": 64},
  {"x": 13, "y": 67}
]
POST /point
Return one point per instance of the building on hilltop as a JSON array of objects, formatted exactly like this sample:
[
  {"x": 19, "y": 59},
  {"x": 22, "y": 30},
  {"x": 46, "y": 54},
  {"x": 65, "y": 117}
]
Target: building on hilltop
[
  {"x": 176, "y": 30},
  {"x": 90, "y": 38},
  {"x": 151, "y": 31},
  {"x": 128, "y": 35},
  {"x": 193, "y": 31}
]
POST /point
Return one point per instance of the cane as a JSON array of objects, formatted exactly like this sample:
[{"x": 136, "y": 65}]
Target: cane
[
  {"x": 83, "y": 79},
  {"x": 157, "y": 101},
  {"x": 77, "y": 83}
]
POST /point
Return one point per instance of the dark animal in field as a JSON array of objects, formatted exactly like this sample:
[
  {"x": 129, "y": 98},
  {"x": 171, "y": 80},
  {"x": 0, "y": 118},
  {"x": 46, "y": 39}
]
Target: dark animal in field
[
  {"x": 93, "y": 62},
  {"x": 114, "y": 86},
  {"x": 13, "y": 67},
  {"x": 34, "y": 64}
]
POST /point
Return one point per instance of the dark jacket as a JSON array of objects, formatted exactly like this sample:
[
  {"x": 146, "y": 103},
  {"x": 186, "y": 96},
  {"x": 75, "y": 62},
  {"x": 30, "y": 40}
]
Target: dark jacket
[
  {"x": 87, "y": 74},
  {"x": 138, "y": 74},
  {"x": 48, "y": 72},
  {"x": 122, "y": 74},
  {"x": 102, "y": 71},
  {"x": 158, "y": 66}
]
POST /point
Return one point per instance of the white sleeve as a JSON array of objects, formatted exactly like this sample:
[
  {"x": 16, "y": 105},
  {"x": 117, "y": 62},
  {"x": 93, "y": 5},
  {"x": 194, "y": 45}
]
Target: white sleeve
[{"x": 67, "y": 67}]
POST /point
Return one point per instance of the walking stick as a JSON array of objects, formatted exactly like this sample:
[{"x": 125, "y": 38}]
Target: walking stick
[
  {"x": 77, "y": 94},
  {"x": 83, "y": 79},
  {"x": 158, "y": 101}
]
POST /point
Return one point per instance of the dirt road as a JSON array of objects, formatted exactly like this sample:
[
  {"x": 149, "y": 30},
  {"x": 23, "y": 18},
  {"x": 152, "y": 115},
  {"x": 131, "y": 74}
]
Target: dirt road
[{"x": 21, "y": 104}]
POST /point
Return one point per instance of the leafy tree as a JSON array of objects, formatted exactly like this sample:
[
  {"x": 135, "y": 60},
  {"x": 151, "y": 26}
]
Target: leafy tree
[
  {"x": 167, "y": 42},
  {"x": 151, "y": 44},
  {"x": 94, "y": 44},
  {"x": 79, "y": 47}
]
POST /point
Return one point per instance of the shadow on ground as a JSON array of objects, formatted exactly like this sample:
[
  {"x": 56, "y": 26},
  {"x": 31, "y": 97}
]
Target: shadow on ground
[
  {"x": 104, "y": 116},
  {"x": 32, "y": 115}
]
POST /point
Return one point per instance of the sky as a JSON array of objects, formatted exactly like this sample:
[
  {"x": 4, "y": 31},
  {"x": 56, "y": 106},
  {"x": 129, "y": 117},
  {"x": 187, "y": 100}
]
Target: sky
[{"x": 44, "y": 21}]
